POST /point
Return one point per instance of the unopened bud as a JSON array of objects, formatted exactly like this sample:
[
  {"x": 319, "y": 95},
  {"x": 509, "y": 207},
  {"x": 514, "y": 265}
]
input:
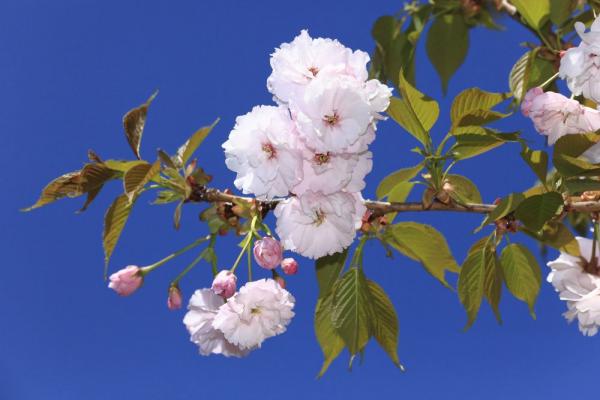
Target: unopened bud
[
  {"x": 289, "y": 266},
  {"x": 174, "y": 300},
  {"x": 126, "y": 281}
]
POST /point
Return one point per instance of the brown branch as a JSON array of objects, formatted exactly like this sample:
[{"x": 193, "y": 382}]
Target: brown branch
[{"x": 203, "y": 194}]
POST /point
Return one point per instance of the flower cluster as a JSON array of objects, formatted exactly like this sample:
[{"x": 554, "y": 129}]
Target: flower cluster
[
  {"x": 555, "y": 115},
  {"x": 235, "y": 326},
  {"x": 313, "y": 145},
  {"x": 581, "y": 290}
]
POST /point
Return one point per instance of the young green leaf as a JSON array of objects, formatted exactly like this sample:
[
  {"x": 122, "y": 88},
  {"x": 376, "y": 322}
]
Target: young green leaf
[
  {"x": 425, "y": 244},
  {"x": 492, "y": 285},
  {"x": 471, "y": 101},
  {"x": 472, "y": 279},
  {"x": 447, "y": 45},
  {"x": 425, "y": 109},
  {"x": 561, "y": 10},
  {"x": 177, "y": 216},
  {"x": 463, "y": 189},
  {"x": 534, "y": 12},
  {"x": 537, "y": 161},
  {"x": 536, "y": 210},
  {"x": 558, "y": 236},
  {"x": 328, "y": 270},
  {"x": 384, "y": 322},
  {"x": 472, "y": 141},
  {"x": 352, "y": 310},
  {"x": 331, "y": 343},
  {"x": 522, "y": 274},
  {"x": 134, "y": 122},
  {"x": 392, "y": 180}
]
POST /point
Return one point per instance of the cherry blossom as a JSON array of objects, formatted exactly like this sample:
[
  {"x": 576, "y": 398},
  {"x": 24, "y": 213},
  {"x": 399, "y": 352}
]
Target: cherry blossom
[
  {"x": 202, "y": 309},
  {"x": 261, "y": 150},
  {"x": 581, "y": 290},
  {"x": 580, "y": 65},
  {"x": 297, "y": 63},
  {"x": 555, "y": 115},
  {"x": 260, "y": 310},
  {"x": 315, "y": 225}
]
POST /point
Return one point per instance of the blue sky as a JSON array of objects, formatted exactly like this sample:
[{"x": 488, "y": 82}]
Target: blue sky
[{"x": 70, "y": 69}]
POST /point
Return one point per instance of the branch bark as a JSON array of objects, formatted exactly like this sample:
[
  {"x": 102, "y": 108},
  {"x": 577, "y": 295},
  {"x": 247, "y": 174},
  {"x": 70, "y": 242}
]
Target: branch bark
[{"x": 211, "y": 195}]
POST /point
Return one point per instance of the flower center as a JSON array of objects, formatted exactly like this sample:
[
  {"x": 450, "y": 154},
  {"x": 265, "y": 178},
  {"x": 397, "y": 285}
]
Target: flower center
[
  {"x": 319, "y": 217},
  {"x": 314, "y": 70},
  {"x": 270, "y": 150},
  {"x": 255, "y": 311},
  {"x": 321, "y": 158},
  {"x": 332, "y": 120}
]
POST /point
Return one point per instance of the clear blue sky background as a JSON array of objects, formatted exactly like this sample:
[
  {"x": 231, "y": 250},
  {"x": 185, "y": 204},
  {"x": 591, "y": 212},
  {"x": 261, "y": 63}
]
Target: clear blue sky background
[{"x": 70, "y": 69}]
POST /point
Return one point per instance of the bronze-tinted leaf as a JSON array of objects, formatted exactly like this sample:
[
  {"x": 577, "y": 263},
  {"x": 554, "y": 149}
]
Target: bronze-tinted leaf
[
  {"x": 191, "y": 145},
  {"x": 134, "y": 122},
  {"x": 66, "y": 185},
  {"x": 114, "y": 221},
  {"x": 138, "y": 176}
]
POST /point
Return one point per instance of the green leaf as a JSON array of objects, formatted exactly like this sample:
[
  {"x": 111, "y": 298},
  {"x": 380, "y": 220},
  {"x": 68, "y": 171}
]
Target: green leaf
[
  {"x": 578, "y": 185},
  {"x": 472, "y": 279},
  {"x": 492, "y": 285},
  {"x": 472, "y": 101},
  {"x": 331, "y": 343},
  {"x": 507, "y": 205},
  {"x": 447, "y": 45},
  {"x": 560, "y": 11},
  {"x": 463, "y": 189},
  {"x": 475, "y": 140},
  {"x": 400, "y": 112},
  {"x": 522, "y": 274},
  {"x": 425, "y": 109},
  {"x": 138, "y": 176},
  {"x": 191, "y": 145},
  {"x": 534, "y": 12},
  {"x": 536, "y": 210},
  {"x": 529, "y": 71},
  {"x": 556, "y": 235},
  {"x": 328, "y": 270},
  {"x": 114, "y": 221},
  {"x": 134, "y": 122},
  {"x": 384, "y": 322},
  {"x": 425, "y": 244},
  {"x": 537, "y": 161},
  {"x": 392, "y": 180},
  {"x": 568, "y": 148},
  {"x": 352, "y": 310}
]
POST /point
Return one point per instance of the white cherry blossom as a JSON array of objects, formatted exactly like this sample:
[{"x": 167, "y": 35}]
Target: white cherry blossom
[
  {"x": 580, "y": 65},
  {"x": 315, "y": 225},
  {"x": 297, "y": 63},
  {"x": 261, "y": 150},
  {"x": 202, "y": 309},
  {"x": 329, "y": 173},
  {"x": 580, "y": 289},
  {"x": 260, "y": 310}
]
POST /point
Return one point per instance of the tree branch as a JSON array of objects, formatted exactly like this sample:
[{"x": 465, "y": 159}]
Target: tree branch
[{"x": 210, "y": 195}]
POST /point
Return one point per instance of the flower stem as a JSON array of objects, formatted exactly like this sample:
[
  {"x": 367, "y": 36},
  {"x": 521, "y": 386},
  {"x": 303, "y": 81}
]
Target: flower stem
[
  {"x": 187, "y": 269},
  {"x": 552, "y": 78},
  {"x": 168, "y": 258},
  {"x": 247, "y": 240}
]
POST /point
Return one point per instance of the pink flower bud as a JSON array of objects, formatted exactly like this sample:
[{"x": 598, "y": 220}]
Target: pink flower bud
[
  {"x": 289, "y": 266},
  {"x": 126, "y": 281},
  {"x": 174, "y": 300},
  {"x": 268, "y": 252},
  {"x": 528, "y": 100},
  {"x": 225, "y": 284},
  {"x": 281, "y": 281}
]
